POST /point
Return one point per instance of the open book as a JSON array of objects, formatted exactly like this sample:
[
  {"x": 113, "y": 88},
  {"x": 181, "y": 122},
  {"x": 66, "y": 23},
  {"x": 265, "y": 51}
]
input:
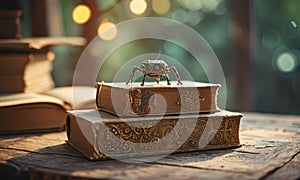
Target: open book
[{"x": 33, "y": 112}]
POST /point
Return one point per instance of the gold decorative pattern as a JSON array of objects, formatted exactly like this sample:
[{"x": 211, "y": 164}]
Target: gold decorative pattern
[
  {"x": 190, "y": 100},
  {"x": 140, "y": 101},
  {"x": 149, "y": 141}
]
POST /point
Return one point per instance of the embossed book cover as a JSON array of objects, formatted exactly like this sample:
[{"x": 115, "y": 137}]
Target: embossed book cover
[
  {"x": 157, "y": 99},
  {"x": 100, "y": 135}
]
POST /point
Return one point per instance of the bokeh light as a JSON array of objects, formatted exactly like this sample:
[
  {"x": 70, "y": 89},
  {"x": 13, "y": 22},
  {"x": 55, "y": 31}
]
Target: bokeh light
[
  {"x": 106, "y": 4},
  {"x": 107, "y": 30},
  {"x": 174, "y": 51},
  {"x": 161, "y": 6},
  {"x": 194, "y": 17},
  {"x": 286, "y": 62},
  {"x": 81, "y": 14},
  {"x": 294, "y": 24},
  {"x": 191, "y": 4},
  {"x": 271, "y": 39},
  {"x": 210, "y": 5},
  {"x": 138, "y": 7},
  {"x": 179, "y": 15}
]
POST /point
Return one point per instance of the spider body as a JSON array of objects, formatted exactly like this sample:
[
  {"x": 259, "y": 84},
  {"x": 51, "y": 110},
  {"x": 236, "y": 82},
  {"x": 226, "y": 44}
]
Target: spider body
[{"x": 154, "y": 69}]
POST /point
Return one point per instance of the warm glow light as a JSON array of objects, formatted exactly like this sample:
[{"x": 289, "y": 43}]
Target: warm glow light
[
  {"x": 161, "y": 6},
  {"x": 107, "y": 30},
  {"x": 81, "y": 14},
  {"x": 138, "y": 7}
]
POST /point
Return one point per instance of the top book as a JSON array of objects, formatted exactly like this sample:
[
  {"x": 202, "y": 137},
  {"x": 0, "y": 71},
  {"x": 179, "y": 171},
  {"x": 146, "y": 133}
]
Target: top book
[{"x": 157, "y": 99}]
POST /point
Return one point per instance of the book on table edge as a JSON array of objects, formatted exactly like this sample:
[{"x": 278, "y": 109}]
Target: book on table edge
[
  {"x": 100, "y": 135},
  {"x": 43, "y": 112},
  {"x": 157, "y": 99}
]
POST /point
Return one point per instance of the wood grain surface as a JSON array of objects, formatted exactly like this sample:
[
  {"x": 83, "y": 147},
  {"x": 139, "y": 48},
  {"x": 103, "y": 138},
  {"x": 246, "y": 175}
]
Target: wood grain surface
[{"x": 270, "y": 150}]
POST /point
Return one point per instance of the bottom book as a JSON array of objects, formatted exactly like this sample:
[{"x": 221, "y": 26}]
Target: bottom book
[{"x": 99, "y": 135}]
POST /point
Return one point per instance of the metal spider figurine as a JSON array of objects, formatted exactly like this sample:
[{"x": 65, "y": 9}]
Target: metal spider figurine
[{"x": 154, "y": 69}]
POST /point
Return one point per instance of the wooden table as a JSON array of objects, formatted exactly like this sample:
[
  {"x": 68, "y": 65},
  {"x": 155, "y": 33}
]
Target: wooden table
[{"x": 270, "y": 150}]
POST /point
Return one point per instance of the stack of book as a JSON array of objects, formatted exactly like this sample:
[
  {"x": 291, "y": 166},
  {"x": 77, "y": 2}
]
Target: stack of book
[
  {"x": 21, "y": 70},
  {"x": 155, "y": 119},
  {"x": 29, "y": 101},
  {"x": 25, "y": 71}
]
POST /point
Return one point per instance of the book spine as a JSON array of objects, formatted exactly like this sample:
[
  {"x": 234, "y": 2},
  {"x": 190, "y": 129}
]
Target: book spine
[
  {"x": 12, "y": 28},
  {"x": 11, "y": 23}
]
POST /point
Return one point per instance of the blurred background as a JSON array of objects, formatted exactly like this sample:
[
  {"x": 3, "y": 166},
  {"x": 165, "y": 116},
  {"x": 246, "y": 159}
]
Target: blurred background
[{"x": 255, "y": 41}]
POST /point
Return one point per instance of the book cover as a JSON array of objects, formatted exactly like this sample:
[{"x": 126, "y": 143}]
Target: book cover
[
  {"x": 157, "y": 99},
  {"x": 100, "y": 135}
]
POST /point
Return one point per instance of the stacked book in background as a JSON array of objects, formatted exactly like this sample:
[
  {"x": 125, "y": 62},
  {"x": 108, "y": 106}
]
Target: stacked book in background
[
  {"x": 10, "y": 23},
  {"x": 29, "y": 101},
  {"x": 21, "y": 70},
  {"x": 25, "y": 71},
  {"x": 155, "y": 119}
]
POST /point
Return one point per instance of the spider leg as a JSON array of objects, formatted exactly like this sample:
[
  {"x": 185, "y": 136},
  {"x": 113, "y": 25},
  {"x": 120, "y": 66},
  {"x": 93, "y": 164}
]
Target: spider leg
[
  {"x": 174, "y": 70},
  {"x": 132, "y": 74},
  {"x": 157, "y": 80},
  {"x": 168, "y": 79},
  {"x": 143, "y": 81}
]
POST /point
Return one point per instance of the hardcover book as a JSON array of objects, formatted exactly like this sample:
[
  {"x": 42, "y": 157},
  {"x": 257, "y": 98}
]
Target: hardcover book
[
  {"x": 32, "y": 84},
  {"x": 157, "y": 99},
  {"x": 100, "y": 135},
  {"x": 26, "y": 72},
  {"x": 44, "y": 112},
  {"x": 11, "y": 24},
  {"x": 25, "y": 63}
]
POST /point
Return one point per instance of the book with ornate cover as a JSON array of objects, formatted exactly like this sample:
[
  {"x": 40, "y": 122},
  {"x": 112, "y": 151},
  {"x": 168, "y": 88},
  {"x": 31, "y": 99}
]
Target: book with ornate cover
[
  {"x": 100, "y": 135},
  {"x": 157, "y": 99}
]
